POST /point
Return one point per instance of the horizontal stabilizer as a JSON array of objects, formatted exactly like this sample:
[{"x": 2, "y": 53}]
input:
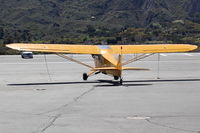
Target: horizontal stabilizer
[
  {"x": 134, "y": 68},
  {"x": 123, "y": 68},
  {"x": 105, "y": 68}
]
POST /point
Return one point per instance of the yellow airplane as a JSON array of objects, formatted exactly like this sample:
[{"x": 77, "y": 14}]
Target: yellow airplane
[{"x": 105, "y": 55}]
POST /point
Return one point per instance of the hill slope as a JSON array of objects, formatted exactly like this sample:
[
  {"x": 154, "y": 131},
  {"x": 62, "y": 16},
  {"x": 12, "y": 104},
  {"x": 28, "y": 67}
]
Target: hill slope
[{"x": 71, "y": 18}]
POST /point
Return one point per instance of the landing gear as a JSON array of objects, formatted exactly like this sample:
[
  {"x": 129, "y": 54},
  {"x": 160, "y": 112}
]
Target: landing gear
[
  {"x": 116, "y": 77},
  {"x": 121, "y": 81},
  {"x": 85, "y": 76}
]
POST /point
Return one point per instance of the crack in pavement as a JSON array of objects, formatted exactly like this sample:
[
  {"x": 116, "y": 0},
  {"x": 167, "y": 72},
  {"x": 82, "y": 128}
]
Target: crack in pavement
[
  {"x": 65, "y": 105},
  {"x": 171, "y": 127},
  {"x": 50, "y": 123}
]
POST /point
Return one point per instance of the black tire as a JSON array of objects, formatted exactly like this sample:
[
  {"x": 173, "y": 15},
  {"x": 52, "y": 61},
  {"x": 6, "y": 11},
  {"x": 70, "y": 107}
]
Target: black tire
[
  {"x": 116, "y": 77},
  {"x": 85, "y": 76}
]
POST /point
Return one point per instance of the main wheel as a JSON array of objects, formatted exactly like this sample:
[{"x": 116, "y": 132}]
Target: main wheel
[
  {"x": 116, "y": 77},
  {"x": 85, "y": 76}
]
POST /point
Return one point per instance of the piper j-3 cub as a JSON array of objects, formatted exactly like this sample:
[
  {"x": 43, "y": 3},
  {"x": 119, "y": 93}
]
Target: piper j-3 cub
[{"x": 107, "y": 58}]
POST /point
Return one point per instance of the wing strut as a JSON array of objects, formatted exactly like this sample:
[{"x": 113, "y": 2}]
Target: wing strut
[
  {"x": 137, "y": 58},
  {"x": 158, "y": 67},
  {"x": 73, "y": 60}
]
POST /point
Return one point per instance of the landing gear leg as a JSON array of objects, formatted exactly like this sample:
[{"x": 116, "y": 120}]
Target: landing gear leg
[
  {"x": 121, "y": 81},
  {"x": 85, "y": 76}
]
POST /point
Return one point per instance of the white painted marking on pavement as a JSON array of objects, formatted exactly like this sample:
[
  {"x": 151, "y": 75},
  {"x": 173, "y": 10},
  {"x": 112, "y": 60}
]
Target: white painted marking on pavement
[
  {"x": 163, "y": 54},
  {"x": 188, "y": 54},
  {"x": 137, "y": 118}
]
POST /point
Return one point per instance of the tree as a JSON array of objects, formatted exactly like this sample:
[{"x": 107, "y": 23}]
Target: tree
[
  {"x": 91, "y": 30},
  {"x": 1, "y": 33}
]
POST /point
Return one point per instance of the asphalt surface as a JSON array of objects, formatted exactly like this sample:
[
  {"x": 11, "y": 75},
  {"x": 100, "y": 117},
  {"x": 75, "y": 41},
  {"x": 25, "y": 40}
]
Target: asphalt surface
[{"x": 34, "y": 99}]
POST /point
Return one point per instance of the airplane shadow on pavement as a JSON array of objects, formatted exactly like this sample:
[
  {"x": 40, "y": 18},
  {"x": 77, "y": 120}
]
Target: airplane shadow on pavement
[{"x": 101, "y": 83}]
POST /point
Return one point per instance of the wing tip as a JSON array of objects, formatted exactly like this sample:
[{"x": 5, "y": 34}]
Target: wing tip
[
  {"x": 9, "y": 45},
  {"x": 15, "y": 46},
  {"x": 193, "y": 47}
]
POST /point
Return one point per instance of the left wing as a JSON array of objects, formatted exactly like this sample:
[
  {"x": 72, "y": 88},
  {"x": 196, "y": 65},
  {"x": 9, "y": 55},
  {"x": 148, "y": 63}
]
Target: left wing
[
  {"x": 103, "y": 49},
  {"x": 153, "y": 48}
]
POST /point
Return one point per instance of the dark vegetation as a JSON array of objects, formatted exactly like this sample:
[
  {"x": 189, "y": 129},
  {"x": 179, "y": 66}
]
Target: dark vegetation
[{"x": 99, "y": 21}]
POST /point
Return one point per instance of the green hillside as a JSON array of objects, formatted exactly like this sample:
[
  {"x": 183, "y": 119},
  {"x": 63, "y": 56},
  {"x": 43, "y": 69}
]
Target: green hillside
[{"x": 94, "y": 21}]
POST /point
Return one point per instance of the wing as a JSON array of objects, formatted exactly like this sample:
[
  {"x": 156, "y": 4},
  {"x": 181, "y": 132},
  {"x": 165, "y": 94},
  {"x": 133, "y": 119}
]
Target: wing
[
  {"x": 56, "y": 48},
  {"x": 97, "y": 49},
  {"x": 156, "y": 48}
]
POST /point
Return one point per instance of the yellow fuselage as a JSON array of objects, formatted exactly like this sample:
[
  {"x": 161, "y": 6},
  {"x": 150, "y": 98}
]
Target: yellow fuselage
[{"x": 101, "y": 62}]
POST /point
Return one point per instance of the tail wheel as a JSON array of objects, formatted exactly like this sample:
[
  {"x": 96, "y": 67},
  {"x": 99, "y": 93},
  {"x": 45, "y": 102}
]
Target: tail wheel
[
  {"x": 116, "y": 77},
  {"x": 85, "y": 76}
]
